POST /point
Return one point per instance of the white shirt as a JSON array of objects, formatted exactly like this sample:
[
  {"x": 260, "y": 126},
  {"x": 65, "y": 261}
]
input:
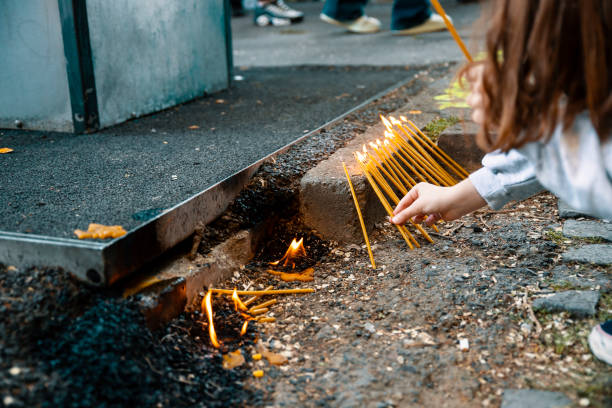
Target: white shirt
[{"x": 574, "y": 165}]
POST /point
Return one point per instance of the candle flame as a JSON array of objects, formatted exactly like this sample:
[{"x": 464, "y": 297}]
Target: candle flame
[
  {"x": 403, "y": 119},
  {"x": 237, "y": 302},
  {"x": 244, "y": 327},
  {"x": 378, "y": 142},
  {"x": 373, "y": 146},
  {"x": 365, "y": 149},
  {"x": 394, "y": 121},
  {"x": 389, "y": 135},
  {"x": 295, "y": 250},
  {"x": 207, "y": 306},
  {"x": 385, "y": 122},
  {"x": 386, "y": 142},
  {"x": 360, "y": 156}
]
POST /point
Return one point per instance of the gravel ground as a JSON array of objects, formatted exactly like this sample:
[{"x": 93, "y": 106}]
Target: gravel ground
[{"x": 390, "y": 336}]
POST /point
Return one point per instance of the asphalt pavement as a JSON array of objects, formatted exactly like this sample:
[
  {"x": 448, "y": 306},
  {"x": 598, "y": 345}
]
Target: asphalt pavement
[{"x": 313, "y": 42}]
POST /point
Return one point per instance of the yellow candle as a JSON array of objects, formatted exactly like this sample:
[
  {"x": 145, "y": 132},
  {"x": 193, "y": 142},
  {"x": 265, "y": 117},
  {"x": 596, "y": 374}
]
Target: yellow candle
[
  {"x": 435, "y": 149},
  {"x": 254, "y": 298},
  {"x": 436, "y": 4},
  {"x": 264, "y": 292},
  {"x": 405, "y": 233},
  {"x": 363, "y": 228}
]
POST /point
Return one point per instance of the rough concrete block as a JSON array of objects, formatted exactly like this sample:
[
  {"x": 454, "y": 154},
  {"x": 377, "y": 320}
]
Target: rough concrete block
[
  {"x": 325, "y": 201},
  {"x": 587, "y": 229},
  {"x": 459, "y": 142},
  {"x": 599, "y": 254},
  {"x": 534, "y": 399},
  {"x": 177, "y": 280},
  {"x": 579, "y": 303},
  {"x": 326, "y": 204}
]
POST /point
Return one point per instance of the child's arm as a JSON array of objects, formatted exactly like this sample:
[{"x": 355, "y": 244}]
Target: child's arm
[
  {"x": 505, "y": 177},
  {"x": 447, "y": 203}
]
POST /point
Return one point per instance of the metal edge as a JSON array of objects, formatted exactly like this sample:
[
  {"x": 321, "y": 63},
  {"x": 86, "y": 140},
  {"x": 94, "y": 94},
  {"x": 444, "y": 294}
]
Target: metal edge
[
  {"x": 227, "y": 14},
  {"x": 84, "y": 259},
  {"x": 143, "y": 244},
  {"x": 79, "y": 65}
]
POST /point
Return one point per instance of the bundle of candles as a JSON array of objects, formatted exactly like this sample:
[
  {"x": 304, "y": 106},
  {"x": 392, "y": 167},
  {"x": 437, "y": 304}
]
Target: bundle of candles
[{"x": 393, "y": 166}]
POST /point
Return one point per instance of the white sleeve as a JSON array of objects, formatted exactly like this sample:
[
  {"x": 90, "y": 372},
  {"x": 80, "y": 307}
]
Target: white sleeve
[
  {"x": 575, "y": 166},
  {"x": 505, "y": 177}
]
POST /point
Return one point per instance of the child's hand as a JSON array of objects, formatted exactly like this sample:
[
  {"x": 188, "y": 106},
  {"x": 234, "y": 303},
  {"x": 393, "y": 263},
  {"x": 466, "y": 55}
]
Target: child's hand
[
  {"x": 429, "y": 203},
  {"x": 476, "y": 98}
]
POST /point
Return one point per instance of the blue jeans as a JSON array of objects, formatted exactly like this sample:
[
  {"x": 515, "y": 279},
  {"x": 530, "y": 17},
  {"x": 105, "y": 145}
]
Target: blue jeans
[{"x": 405, "y": 13}]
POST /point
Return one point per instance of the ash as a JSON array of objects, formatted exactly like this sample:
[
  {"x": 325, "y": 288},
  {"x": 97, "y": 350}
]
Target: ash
[{"x": 64, "y": 345}]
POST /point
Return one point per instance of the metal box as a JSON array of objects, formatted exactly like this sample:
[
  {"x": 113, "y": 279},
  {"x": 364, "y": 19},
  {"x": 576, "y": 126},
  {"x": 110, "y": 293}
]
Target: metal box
[{"x": 80, "y": 65}]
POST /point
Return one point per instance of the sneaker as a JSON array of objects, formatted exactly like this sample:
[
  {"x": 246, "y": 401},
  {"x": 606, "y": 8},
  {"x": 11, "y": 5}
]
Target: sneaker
[
  {"x": 600, "y": 341},
  {"x": 363, "y": 25},
  {"x": 435, "y": 22},
  {"x": 294, "y": 15},
  {"x": 276, "y": 13}
]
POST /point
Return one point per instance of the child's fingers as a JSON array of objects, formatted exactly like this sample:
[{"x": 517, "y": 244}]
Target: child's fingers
[
  {"x": 407, "y": 200},
  {"x": 432, "y": 219},
  {"x": 403, "y": 216},
  {"x": 418, "y": 219}
]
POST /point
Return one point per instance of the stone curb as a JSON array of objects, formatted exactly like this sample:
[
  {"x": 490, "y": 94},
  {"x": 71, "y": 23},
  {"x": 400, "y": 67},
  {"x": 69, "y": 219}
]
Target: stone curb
[{"x": 325, "y": 199}]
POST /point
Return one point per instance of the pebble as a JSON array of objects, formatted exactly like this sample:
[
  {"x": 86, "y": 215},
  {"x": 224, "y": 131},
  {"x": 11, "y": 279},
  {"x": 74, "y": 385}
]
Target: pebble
[
  {"x": 587, "y": 229},
  {"x": 370, "y": 327},
  {"x": 324, "y": 333},
  {"x": 599, "y": 254},
  {"x": 579, "y": 303},
  {"x": 533, "y": 398},
  {"x": 526, "y": 328}
]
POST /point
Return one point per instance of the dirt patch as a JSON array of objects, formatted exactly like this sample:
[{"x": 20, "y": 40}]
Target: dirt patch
[{"x": 391, "y": 336}]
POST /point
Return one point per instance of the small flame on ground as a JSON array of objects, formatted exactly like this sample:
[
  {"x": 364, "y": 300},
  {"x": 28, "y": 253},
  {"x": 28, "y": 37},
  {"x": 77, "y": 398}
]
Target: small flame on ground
[
  {"x": 244, "y": 327},
  {"x": 238, "y": 303},
  {"x": 295, "y": 250},
  {"x": 207, "y": 306}
]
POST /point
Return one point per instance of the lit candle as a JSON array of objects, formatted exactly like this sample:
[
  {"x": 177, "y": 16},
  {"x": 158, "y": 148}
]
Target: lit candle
[{"x": 209, "y": 313}]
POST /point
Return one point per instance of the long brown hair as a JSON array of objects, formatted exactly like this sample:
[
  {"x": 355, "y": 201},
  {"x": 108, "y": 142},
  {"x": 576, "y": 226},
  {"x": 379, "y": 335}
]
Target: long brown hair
[{"x": 546, "y": 61}]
